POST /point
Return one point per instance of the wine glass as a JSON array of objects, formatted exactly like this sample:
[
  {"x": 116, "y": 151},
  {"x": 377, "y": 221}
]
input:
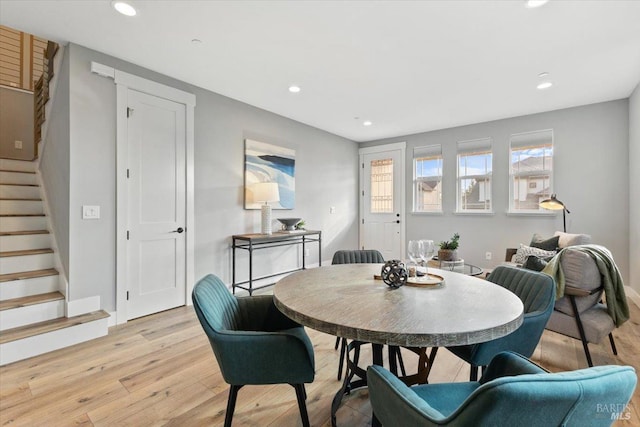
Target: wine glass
[
  {"x": 429, "y": 250},
  {"x": 416, "y": 252}
]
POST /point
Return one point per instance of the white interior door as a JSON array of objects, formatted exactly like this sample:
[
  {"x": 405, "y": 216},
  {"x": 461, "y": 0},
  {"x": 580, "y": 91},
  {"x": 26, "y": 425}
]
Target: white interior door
[
  {"x": 382, "y": 207},
  {"x": 156, "y": 204}
]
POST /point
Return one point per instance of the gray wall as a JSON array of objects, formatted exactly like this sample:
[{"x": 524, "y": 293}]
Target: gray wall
[
  {"x": 591, "y": 178},
  {"x": 54, "y": 162},
  {"x": 634, "y": 189},
  {"x": 326, "y": 175},
  {"x": 16, "y": 124}
]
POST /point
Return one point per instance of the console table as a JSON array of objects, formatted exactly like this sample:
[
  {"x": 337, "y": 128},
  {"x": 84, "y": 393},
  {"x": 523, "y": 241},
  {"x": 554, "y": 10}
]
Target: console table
[{"x": 253, "y": 242}]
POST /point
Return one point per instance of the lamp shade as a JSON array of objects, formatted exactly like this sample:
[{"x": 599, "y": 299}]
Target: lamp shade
[
  {"x": 265, "y": 192},
  {"x": 553, "y": 204}
]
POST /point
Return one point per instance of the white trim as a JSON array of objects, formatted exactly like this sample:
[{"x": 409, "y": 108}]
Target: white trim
[
  {"x": 632, "y": 295},
  {"x": 82, "y": 306},
  {"x": 102, "y": 70},
  {"x": 112, "y": 319},
  {"x": 402, "y": 146},
  {"x": 124, "y": 82}
]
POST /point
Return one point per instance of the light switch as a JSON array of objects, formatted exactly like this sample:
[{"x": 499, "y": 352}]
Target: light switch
[
  {"x": 90, "y": 212},
  {"x": 18, "y": 144},
  {"x": 332, "y": 210}
]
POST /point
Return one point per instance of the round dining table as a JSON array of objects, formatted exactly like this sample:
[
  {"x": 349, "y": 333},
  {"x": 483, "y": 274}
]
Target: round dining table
[{"x": 350, "y": 301}]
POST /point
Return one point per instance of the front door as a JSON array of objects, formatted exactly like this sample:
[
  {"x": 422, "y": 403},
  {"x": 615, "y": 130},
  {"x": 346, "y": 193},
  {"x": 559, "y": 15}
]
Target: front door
[
  {"x": 156, "y": 265},
  {"x": 382, "y": 213}
]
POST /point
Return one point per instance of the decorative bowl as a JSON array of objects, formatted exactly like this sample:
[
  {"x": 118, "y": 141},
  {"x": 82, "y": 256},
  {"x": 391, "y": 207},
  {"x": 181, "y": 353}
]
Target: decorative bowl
[{"x": 289, "y": 224}]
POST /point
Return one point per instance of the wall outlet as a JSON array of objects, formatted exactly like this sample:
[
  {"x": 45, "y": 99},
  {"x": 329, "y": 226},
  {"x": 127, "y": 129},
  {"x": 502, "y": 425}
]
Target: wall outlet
[
  {"x": 332, "y": 210},
  {"x": 488, "y": 255},
  {"x": 90, "y": 212},
  {"x": 18, "y": 145}
]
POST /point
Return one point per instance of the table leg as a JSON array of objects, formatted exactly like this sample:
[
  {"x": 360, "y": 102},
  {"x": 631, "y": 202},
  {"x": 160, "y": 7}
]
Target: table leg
[
  {"x": 250, "y": 268},
  {"x": 233, "y": 266},
  {"x": 303, "y": 252}
]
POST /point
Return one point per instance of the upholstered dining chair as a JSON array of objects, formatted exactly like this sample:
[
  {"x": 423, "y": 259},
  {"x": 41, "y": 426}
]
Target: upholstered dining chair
[
  {"x": 254, "y": 343},
  {"x": 361, "y": 256},
  {"x": 513, "y": 391},
  {"x": 537, "y": 292}
]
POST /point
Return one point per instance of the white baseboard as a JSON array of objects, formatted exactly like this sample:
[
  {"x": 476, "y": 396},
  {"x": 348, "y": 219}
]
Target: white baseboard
[
  {"x": 632, "y": 295},
  {"x": 112, "y": 319},
  {"x": 83, "y": 306}
]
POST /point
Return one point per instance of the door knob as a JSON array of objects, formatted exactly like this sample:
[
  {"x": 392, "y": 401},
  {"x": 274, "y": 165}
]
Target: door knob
[{"x": 179, "y": 230}]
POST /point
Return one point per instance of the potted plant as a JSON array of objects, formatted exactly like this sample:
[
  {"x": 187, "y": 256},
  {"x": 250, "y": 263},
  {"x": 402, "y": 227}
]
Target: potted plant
[{"x": 448, "y": 249}]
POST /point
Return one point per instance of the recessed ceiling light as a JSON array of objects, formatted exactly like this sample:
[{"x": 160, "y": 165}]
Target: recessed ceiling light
[
  {"x": 294, "y": 89},
  {"x": 124, "y": 8},
  {"x": 543, "y": 74},
  {"x": 544, "y": 85},
  {"x": 196, "y": 41},
  {"x": 531, "y": 4},
  {"x": 367, "y": 123}
]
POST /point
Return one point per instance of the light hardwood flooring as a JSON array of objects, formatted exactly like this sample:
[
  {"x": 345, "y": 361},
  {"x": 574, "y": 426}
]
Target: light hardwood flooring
[{"x": 160, "y": 370}]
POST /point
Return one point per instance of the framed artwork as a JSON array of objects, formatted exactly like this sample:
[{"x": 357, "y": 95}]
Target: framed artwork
[{"x": 269, "y": 163}]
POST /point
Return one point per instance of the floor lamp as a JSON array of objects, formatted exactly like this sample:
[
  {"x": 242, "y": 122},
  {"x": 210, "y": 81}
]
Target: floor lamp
[
  {"x": 266, "y": 192},
  {"x": 555, "y": 205}
]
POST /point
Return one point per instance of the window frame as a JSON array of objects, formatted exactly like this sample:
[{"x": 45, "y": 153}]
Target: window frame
[
  {"x": 546, "y": 171},
  {"x": 474, "y": 147},
  {"x": 429, "y": 152}
]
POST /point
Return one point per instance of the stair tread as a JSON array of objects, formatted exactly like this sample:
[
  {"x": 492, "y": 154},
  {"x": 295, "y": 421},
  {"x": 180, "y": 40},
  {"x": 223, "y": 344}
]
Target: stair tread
[
  {"x": 23, "y": 232},
  {"x": 16, "y": 171},
  {"x": 28, "y": 199},
  {"x": 18, "y": 215},
  {"x": 30, "y": 300},
  {"x": 49, "y": 326},
  {"x": 28, "y": 274},
  {"x": 19, "y": 185},
  {"x": 26, "y": 252}
]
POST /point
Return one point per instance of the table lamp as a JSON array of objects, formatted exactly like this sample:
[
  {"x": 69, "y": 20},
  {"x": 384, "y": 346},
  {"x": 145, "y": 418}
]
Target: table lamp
[
  {"x": 266, "y": 192},
  {"x": 555, "y": 205}
]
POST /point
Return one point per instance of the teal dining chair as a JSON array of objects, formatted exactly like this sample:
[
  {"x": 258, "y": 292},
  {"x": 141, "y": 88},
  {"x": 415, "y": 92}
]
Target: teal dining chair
[
  {"x": 513, "y": 391},
  {"x": 253, "y": 342},
  {"x": 537, "y": 292}
]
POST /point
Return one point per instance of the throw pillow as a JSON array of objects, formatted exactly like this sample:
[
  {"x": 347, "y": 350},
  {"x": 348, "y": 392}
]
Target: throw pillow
[
  {"x": 524, "y": 251},
  {"x": 567, "y": 239},
  {"x": 548, "y": 244},
  {"x": 535, "y": 263}
]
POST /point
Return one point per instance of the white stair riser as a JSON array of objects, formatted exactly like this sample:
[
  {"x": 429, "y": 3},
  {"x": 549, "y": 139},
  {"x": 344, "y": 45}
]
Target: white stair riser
[
  {"x": 19, "y": 191},
  {"x": 24, "y": 242},
  {"x": 17, "y": 178},
  {"x": 21, "y": 207},
  {"x": 20, "y": 165},
  {"x": 16, "y": 264},
  {"x": 23, "y": 223},
  {"x": 28, "y": 287},
  {"x": 44, "y": 343},
  {"x": 31, "y": 314}
]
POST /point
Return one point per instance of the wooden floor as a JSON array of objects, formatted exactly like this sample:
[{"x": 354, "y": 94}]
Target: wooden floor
[{"x": 160, "y": 370}]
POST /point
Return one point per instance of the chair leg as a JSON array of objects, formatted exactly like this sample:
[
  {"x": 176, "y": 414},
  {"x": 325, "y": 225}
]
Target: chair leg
[
  {"x": 343, "y": 348},
  {"x": 583, "y": 337},
  {"x": 613, "y": 344},
  {"x": 301, "y": 394},
  {"x": 231, "y": 404},
  {"x": 337, "y": 342},
  {"x": 473, "y": 376}
]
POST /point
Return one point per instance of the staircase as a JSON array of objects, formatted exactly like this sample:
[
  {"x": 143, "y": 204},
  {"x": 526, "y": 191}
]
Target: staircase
[{"x": 32, "y": 305}]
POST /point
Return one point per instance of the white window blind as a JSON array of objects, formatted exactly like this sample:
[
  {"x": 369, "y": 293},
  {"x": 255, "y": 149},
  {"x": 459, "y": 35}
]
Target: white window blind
[
  {"x": 531, "y": 170},
  {"x": 427, "y": 178},
  {"x": 475, "y": 166}
]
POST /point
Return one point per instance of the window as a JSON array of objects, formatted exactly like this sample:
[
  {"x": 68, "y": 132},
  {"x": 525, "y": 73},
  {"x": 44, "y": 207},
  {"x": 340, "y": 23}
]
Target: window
[
  {"x": 531, "y": 171},
  {"x": 382, "y": 186},
  {"x": 427, "y": 179},
  {"x": 475, "y": 164}
]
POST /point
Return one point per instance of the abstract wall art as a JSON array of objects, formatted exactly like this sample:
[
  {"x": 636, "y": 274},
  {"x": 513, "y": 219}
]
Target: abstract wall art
[{"x": 269, "y": 163}]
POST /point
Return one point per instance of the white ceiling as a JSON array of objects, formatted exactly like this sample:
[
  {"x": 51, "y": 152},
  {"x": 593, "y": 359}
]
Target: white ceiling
[{"x": 407, "y": 66}]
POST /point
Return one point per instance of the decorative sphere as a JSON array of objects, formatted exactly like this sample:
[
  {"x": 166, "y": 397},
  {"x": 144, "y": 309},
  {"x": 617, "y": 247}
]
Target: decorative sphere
[{"x": 394, "y": 273}]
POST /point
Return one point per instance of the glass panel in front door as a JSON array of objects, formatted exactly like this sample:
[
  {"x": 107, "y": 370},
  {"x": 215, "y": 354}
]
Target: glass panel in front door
[{"x": 382, "y": 186}]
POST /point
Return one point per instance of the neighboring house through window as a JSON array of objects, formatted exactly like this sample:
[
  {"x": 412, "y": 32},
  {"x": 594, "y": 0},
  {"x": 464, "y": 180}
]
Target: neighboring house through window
[
  {"x": 427, "y": 179},
  {"x": 475, "y": 165},
  {"x": 531, "y": 171}
]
